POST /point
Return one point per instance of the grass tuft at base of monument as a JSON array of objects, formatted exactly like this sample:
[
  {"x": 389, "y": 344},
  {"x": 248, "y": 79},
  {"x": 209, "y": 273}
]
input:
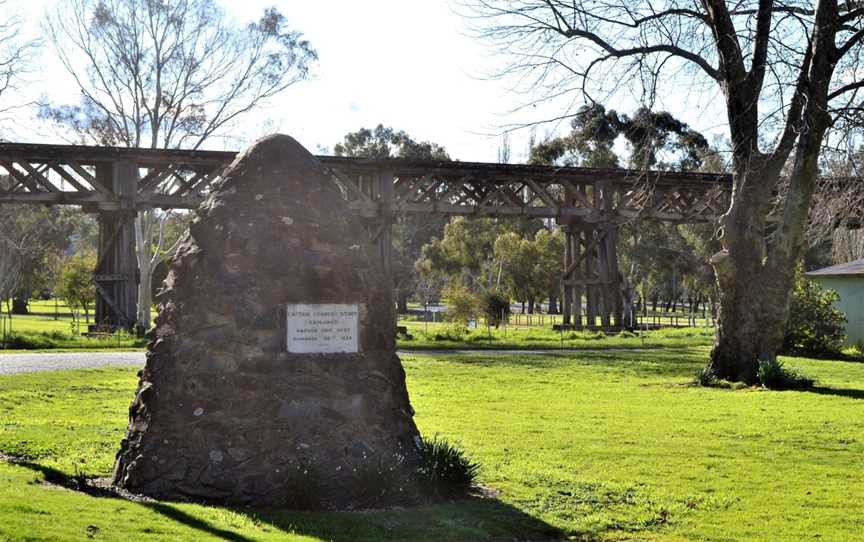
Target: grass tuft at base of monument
[{"x": 587, "y": 446}]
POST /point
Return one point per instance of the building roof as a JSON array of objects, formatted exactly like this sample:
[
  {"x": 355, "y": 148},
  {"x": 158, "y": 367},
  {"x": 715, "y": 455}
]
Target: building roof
[{"x": 854, "y": 268}]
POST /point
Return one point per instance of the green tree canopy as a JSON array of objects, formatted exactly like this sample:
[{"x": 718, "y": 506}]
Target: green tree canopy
[
  {"x": 76, "y": 284},
  {"x": 412, "y": 232},
  {"x": 652, "y": 136}
]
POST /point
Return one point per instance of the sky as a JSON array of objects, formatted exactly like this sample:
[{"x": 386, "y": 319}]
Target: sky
[{"x": 409, "y": 64}]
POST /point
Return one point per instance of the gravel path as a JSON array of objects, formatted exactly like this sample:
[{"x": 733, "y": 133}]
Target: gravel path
[
  {"x": 46, "y": 361},
  {"x": 43, "y": 361}
]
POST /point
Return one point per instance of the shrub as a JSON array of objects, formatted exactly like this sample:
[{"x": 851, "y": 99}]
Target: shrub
[
  {"x": 444, "y": 470},
  {"x": 462, "y": 305},
  {"x": 495, "y": 306},
  {"x": 772, "y": 374},
  {"x": 815, "y": 325},
  {"x": 377, "y": 483},
  {"x": 29, "y": 341},
  {"x": 595, "y": 336},
  {"x": 481, "y": 338},
  {"x": 705, "y": 377},
  {"x": 451, "y": 332},
  {"x": 46, "y": 340},
  {"x": 304, "y": 486}
]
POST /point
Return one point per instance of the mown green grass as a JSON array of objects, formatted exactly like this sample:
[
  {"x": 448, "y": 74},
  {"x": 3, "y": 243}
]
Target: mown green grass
[
  {"x": 433, "y": 336},
  {"x": 39, "y": 331},
  {"x": 599, "y": 445},
  {"x": 49, "y": 326},
  {"x": 45, "y": 317}
]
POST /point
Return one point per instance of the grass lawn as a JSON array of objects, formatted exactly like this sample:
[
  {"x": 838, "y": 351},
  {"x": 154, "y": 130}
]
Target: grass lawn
[
  {"x": 433, "y": 336},
  {"x": 49, "y": 326},
  {"x": 591, "y": 446},
  {"x": 45, "y": 317},
  {"x": 41, "y": 332}
]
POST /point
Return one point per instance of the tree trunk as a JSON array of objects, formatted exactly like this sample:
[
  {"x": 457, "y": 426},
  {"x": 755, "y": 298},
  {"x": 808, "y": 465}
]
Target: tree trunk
[
  {"x": 553, "y": 303},
  {"x": 748, "y": 314},
  {"x": 755, "y": 279},
  {"x": 19, "y": 305},
  {"x": 402, "y": 302},
  {"x": 148, "y": 258},
  {"x": 145, "y": 290},
  {"x": 750, "y": 322},
  {"x": 530, "y": 306}
]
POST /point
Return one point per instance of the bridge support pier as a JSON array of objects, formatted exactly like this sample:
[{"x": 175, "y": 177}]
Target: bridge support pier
[
  {"x": 116, "y": 274},
  {"x": 591, "y": 264},
  {"x": 591, "y": 277},
  {"x": 376, "y": 188}
]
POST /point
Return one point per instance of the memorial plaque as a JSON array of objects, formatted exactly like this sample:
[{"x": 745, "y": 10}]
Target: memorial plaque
[{"x": 322, "y": 328}]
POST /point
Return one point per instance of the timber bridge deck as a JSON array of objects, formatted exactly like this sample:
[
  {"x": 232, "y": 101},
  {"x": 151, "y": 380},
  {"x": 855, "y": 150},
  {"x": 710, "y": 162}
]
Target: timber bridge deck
[{"x": 589, "y": 203}]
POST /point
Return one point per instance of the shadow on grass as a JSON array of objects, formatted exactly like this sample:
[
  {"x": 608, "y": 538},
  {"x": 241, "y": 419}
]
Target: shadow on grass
[
  {"x": 81, "y": 484},
  {"x": 472, "y": 518},
  {"x": 664, "y": 362},
  {"x": 837, "y": 392}
]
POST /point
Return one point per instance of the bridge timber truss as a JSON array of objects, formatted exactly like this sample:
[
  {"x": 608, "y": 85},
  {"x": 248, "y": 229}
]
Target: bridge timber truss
[{"x": 589, "y": 204}]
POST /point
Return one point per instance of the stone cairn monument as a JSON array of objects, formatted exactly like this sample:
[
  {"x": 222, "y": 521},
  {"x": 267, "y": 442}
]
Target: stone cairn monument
[{"x": 273, "y": 356}]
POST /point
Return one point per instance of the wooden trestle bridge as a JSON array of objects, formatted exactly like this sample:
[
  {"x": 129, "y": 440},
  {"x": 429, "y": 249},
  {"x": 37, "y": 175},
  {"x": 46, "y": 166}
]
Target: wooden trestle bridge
[{"x": 590, "y": 204}]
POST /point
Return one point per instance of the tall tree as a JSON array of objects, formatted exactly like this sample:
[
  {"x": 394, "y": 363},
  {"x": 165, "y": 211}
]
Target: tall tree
[
  {"x": 549, "y": 244},
  {"x": 656, "y": 140},
  {"x": 465, "y": 253},
  {"x": 16, "y": 54},
  {"x": 76, "y": 284},
  {"x": 515, "y": 259},
  {"x": 835, "y": 231},
  {"x": 167, "y": 74},
  {"x": 788, "y": 73},
  {"x": 34, "y": 239},
  {"x": 410, "y": 233}
]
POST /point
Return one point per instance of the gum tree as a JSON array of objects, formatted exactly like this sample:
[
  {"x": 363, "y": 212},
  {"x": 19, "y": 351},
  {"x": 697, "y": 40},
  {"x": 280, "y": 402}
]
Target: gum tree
[
  {"x": 16, "y": 57},
  {"x": 410, "y": 233},
  {"x": 788, "y": 73},
  {"x": 167, "y": 74}
]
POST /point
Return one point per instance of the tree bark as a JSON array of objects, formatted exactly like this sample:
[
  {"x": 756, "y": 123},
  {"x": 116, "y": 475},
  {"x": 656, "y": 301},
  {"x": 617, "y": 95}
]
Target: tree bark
[
  {"x": 754, "y": 278},
  {"x": 553, "y": 304},
  {"x": 19, "y": 305},
  {"x": 748, "y": 314},
  {"x": 148, "y": 259},
  {"x": 402, "y": 302}
]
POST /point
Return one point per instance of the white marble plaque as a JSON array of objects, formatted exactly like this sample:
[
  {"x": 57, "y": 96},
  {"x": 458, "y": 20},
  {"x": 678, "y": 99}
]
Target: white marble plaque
[{"x": 323, "y": 329}]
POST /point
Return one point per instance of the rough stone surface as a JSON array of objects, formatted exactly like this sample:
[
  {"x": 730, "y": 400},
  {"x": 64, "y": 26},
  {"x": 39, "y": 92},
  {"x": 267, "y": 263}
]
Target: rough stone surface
[{"x": 223, "y": 412}]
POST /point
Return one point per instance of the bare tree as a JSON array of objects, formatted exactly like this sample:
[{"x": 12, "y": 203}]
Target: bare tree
[
  {"x": 788, "y": 72},
  {"x": 20, "y": 241},
  {"x": 167, "y": 74},
  {"x": 838, "y": 208},
  {"x": 10, "y": 265},
  {"x": 15, "y": 55}
]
